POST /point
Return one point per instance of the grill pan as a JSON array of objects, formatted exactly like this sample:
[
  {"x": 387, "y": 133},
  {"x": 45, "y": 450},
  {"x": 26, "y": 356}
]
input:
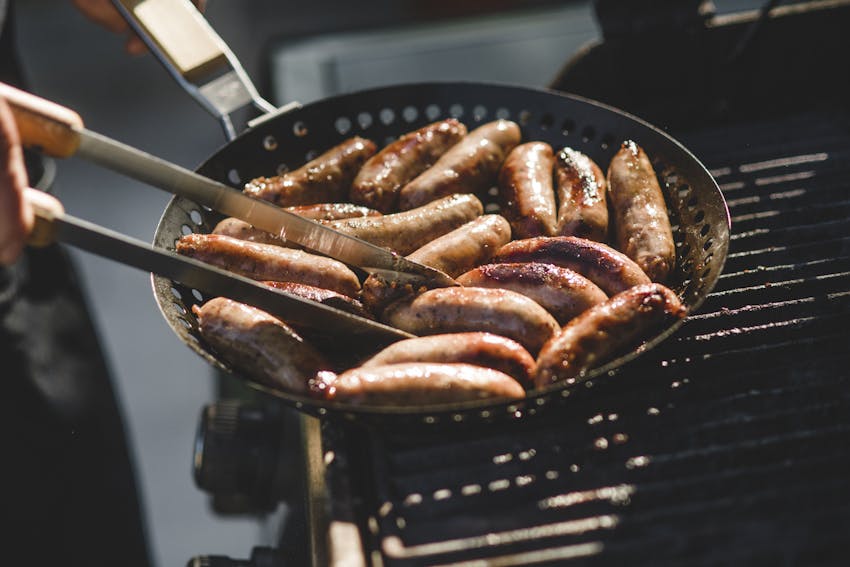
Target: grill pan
[{"x": 698, "y": 211}]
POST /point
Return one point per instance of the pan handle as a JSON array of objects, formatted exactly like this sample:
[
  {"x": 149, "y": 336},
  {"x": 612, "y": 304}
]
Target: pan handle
[{"x": 198, "y": 59}]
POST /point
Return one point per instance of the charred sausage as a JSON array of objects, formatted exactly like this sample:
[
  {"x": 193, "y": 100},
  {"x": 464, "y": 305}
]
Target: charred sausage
[
  {"x": 466, "y": 247},
  {"x": 461, "y": 309},
  {"x": 562, "y": 292},
  {"x": 269, "y": 262},
  {"x": 581, "y": 186},
  {"x": 379, "y": 181},
  {"x": 526, "y": 196},
  {"x": 471, "y": 166},
  {"x": 417, "y": 384},
  {"x": 258, "y": 345},
  {"x": 607, "y": 330},
  {"x": 612, "y": 271},
  {"x": 478, "y": 349},
  {"x": 325, "y": 179},
  {"x": 641, "y": 224},
  {"x": 407, "y": 231}
]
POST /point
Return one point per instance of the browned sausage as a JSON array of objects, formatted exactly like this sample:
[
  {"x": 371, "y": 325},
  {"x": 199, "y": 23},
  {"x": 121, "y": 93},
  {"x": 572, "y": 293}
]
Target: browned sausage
[
  {"x": 323, "y": 296},
  {"x": 325, "y": 179},
  {"x": 526, "y": 196},
  {"x": 333, "y": 211},
  {"x": 407, "y": 231},
  {"x": 242, "y": 230},
  {"x": 583, "y": 208},
  {"x": 259, "y": 346},
  {"x": 269, "y": 262},
  {"x": 466, "y": 247},
  {"x": 379, "y": 181},
  {"x": 418, "y": 384},
  {"x": 562, "y": 292},
  {"x": 460, "y": 309},
  {"x": 641, "y": 224},
  {"x": 606, "y": 331},
  {"x": 612, "y": 271},
  {"x": 478, "y": 349},
  {"x": 471, "y": 166}
]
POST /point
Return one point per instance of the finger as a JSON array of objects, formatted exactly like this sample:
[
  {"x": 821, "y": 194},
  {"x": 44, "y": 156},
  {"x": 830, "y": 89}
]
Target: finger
[
  {"x": 135, "y": 45},
  {"x": 16, "y": 216}
]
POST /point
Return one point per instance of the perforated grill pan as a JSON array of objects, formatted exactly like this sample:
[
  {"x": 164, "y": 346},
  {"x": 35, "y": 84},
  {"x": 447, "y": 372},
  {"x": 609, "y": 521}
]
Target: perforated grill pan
[{"x": 698, "y": 211}]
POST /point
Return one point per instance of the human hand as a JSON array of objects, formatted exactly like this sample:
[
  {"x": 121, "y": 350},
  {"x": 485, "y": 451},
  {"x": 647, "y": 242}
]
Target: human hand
[
  {"x": 104, "y": 13},
  {"x": 16, "y": 199}
]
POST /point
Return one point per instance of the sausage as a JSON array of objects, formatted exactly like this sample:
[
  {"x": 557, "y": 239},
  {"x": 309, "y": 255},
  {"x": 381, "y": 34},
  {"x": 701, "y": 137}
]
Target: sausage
[
  {"x": 239, "y": 229},
  {"x": 379, "y": 181},
  {"x": 333, "y": 211},
  {"x": 417, "y": 384},
  {"x": 641, "y": 224},
  {"x": 607, "y": 330},
  {"x": 269, "y": 262},
  {"x": 466, "y": 247},
  {"x": 405, "y": 232},
  {"x": 478, "y": 349},
  {"x": 471, "y": 166},
  {"x": 611, "y": 270},
  {"x": 325, "y": 179},
  {"x": 259, "y": 346},
  {"x": 581, "y": 187},
  {"x": 460, "y": 309},
  {"x": 562, "y": 292},
  {"x": 323, "y": 296},
  {"x": 526, "y": 196}
]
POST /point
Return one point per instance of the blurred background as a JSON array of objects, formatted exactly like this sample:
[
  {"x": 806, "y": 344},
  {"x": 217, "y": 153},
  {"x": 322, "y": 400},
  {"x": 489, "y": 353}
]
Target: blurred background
[{"x": 294, "y": 51}]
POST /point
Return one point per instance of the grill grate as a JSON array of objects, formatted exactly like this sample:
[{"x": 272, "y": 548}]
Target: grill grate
[{"x": 729, "y": 444}]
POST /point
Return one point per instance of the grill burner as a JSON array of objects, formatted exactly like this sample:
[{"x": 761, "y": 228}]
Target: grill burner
[{"x": 730, "y": 444}]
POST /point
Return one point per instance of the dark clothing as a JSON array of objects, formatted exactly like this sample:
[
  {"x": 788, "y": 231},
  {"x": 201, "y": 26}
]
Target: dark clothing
[{"x": 69, "y": 492}]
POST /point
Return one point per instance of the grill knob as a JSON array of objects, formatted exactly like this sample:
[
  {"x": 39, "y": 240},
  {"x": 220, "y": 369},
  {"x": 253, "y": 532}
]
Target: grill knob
[
  {"x": 238, "y": 454},
  {"x": 260, "y": 557}
]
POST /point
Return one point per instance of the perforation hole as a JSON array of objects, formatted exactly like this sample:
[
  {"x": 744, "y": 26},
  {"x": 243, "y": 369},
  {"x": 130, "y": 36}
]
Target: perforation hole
[
  {"x": 479, "y": 113},
  {"x": 387, "y": 116},
  {"x": 198, "y": 296},
  {"x": 699, "y": 216},
  {"x": 567, "y": 127},
  {"x": 456, "y": 110},
  {"x": 708, "y": 244},
  {"x": 705, "y": 229},
  {"x": 607, "y": 141},
  {"x": 186, "y": 229},
  {"x": 282, "y": 168},
  {"x": 342, "y": 125},
  {"x": 524, "y": 117},
  {"x": 299, "y": 129},
  {"x": 311, "y": 155},
  {"x": 234, "y": 177},
  {"x": 705, "y": 272},
  {"x": 176, "y": 293},
  {"x": 503, "y": 113},
  {"x": 269, "y": 143},
  {"x": 196, "y": 217},
  {"x": 432, "y": 111},
  {"x": 692, "y": 202},
  {"x": 364, "y": 119},
  {"x": 179, "y": 307},
  {"x": 409, "y": 114},
  {"x": 546, "y": 121},
  {"x": 588, "y": 134},
  {"x": 184, "y": 322}
]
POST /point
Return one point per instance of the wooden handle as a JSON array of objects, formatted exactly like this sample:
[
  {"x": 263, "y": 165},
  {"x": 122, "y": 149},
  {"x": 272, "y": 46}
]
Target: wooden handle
[
  {"x": 181, "y": 34},
  {"x": 43, "y": 125},
  {"x": 45, "y": 209}
]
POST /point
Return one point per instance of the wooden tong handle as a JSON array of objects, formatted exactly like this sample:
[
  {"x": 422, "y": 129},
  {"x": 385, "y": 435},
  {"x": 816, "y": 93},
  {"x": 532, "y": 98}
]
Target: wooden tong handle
[{"x": 43, "y": 125}]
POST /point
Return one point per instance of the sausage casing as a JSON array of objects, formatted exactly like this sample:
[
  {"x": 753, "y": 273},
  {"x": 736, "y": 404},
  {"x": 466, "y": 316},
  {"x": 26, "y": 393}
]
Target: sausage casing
[
  {"x": 461, "y": 309},
  {"x": 323, "y": 296},
  {"x": 418, "y": 384},
  {"x": 465, "y": 247},
  {"x": 581, "y": 187},
  {"x": 526, "y": 196},
  {"x": 239, "y": 229},
  {"x": 384, "y": 174},
  {"x": 611, "y": 270},
  {"x": 325, "y": 179},
  {"x": 258, "y": 345},
  {"x": 268, "y": 262},
  {"x": 561, "y": 291},
  {"x": 607, "y": 330},
  {"x": 641, "y": 224},
  {"x": 470, "y": 166},
  {"x": 405, "y": 232},
  {"x": 478, "y": 349},
  {"x": 333, "y": 211}
]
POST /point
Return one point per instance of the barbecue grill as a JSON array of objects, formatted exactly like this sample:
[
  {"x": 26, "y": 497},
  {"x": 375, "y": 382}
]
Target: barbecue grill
[{"x": 727, "y": 444}]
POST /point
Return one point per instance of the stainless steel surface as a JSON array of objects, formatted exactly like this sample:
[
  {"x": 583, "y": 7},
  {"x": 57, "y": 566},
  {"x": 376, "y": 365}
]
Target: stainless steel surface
[
  {"x": 229, "y": 201},
  {"x": 217, "y": 282}
]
